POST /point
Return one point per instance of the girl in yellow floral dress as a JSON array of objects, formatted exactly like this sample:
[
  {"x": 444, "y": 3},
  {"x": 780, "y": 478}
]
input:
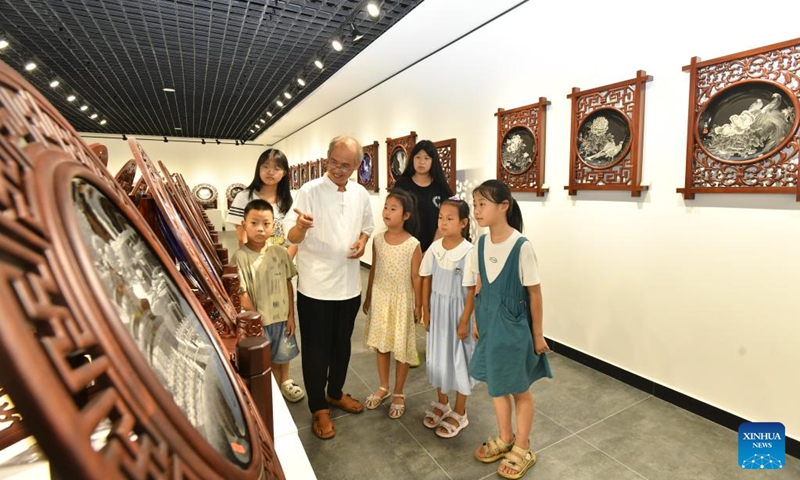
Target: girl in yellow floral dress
[{"x": 394, "y": 299}]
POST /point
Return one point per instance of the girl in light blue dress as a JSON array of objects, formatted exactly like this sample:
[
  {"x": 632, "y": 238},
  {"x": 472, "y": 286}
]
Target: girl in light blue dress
[{"x": 447, "y": 301}]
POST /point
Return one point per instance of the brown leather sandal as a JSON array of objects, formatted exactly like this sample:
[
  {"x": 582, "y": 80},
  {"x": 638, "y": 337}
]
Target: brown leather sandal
[{"x": 322, "y": 425}]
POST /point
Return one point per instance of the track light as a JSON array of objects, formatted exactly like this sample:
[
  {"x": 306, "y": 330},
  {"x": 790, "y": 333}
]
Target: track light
[
  {"x": 218, "y": 142},
  {"x": 280, "y": 104},
  {"x": 30, "y": 66},
  {"x": 103, "y": 121},
  {"x": 337, "y": 44},
  {"x": 262, "y": 121},
  {"x": 84, "y": 108},
  {"x": 54, "y": 83},
  {"x": 71, "y": 98},
  {"x": 373, "y": 9},
  {"x": 124, "y": 137},
  {"x": 165, "y": 139},
  {"x": 252, "y": 131},
  {"x": 301, "y": 82},
  {"x": 169, "y": 90},
  {"x": 237, "y": 143},
  {"x": 243, "y": 141},
  {"x": 3, "y": 43},
  {"x": 93, "y": 116},
  {"x": 287, "y": 95},
  {"x": 319, "y": 63},
  {"x": 357, "y": 35},
  {"x": 203, "y": 141},
  {"x": 269, "y": 114}
]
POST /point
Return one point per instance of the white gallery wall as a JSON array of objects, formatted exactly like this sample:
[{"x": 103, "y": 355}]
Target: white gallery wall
[{"x": 699, "y": 295}]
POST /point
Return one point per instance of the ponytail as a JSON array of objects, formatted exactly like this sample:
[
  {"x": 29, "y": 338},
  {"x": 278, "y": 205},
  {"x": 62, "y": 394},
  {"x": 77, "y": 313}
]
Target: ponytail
[
  {"x": 514, "y": 215},
  {"x": 498, "y": 192}
]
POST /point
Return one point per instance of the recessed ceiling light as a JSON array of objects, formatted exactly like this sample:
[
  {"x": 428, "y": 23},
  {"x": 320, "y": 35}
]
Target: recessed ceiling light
[
  {"x": 71, "y": 98},
  {"x": 3, "y": 44},
  {"x": 169, "y": 90},
  {"x": 103, "y": 122},
  {"x": 301, "y": 82},
  {"x": 269, "y": 114},
  {"x": 93, "y": 116},
  {"x": 280, "y": 104},
  {"x": 287, "y": 95},
  {"x": 55, "y": 83},
  {"x": 84, "y": 108},
  {"x": 337, "y": 44},
  {"x": 373, "y": 9},
  {"x": 262, "y": 121},
  {"x": 30, "y": 66},
  {"x": 177, "y": 128},
  {"x": 319, "y": 63},
  {"x": 252, "y": 131}
]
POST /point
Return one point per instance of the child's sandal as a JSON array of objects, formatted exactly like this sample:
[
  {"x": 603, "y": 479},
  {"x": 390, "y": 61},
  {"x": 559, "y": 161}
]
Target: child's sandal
[
  {"x": 431, "y": 419},
  {"x": 397, "y": 410},
  {"x": 519, "y": 460},
  {"x": 373, "y": 401},
  {"x": 494, "y": 449},
  {"x": 451, "y": 430}
]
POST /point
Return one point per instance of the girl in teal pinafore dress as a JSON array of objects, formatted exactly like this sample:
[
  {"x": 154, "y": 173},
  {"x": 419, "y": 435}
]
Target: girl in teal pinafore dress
[{"x": 509, "y": 355}]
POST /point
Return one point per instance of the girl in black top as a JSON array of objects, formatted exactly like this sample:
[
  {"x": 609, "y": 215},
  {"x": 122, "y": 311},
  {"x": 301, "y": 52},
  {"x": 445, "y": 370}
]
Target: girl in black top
[{"x": 424, "y": 178}]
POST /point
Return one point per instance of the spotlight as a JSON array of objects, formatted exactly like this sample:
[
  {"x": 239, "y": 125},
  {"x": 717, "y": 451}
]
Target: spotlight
[
  {"x": 71, "y": 98},
  {"x": 357, "y": 35},
  {"x": 237, "y": 143},
  {"x": 30, "y": 66},
  {"x": 373, "y": 9},
  {"x": 84, "y": 108},
  {"x": 287, "y": 95},
  {"x": 203, "y": 141},
  {"x": 262, "y": 121},
  {"x": 55, "y": 83},
  {"x": 269, "y": 114},
  {"x": 301, "y": 82},
  {"x": 169, "y": 90},
  {"x": 319, "y": 63},
  {"x": 3, "y": 44},
  {"x": 103, "y": 121},
  {"x": 165, "y": 139},
  {"x": 280, "y": 104},
  {"x": 93, "y": 116},
  {"x": 243, "y": 141},
  {"x": 124, "y": 137},
  {"x": 337, "y": 44},
  {"x": 218, "y": 142},
  {"x": 252, "y": 131}
]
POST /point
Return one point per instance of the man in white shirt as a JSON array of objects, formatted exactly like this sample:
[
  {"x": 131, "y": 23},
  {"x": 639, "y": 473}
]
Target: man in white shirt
[{"x": 331, "y": 222}]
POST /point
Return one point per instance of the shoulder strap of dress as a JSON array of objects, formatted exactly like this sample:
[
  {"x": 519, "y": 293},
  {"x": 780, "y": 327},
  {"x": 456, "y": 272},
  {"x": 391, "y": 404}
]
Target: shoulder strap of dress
[{"x": 481, "y": 264}]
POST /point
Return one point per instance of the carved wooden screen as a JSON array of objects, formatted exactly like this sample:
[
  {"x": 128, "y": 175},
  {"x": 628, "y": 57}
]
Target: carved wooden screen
[
  {"x": 447, "y": 155},
  {"x": 295, "y": 180},
  {"x": 126, "y": 175},
  {"x": 521, "y": 147},
  {"x": 313, "y": 169},
  {"x": 607, "y": 137},
  {"x": 233, "y": 190},
  {"x": 323, "y": 166},
  {"x": 743, "y": 122},
  {"x": 70, "y": 360},
  {"x": 302, "y": 171},
  {"x": 367, "y": 171},
  {"x": 398, "y": 151}
]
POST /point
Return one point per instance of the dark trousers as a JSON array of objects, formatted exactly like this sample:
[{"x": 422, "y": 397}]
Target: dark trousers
[{"x": 325, "y": 330}]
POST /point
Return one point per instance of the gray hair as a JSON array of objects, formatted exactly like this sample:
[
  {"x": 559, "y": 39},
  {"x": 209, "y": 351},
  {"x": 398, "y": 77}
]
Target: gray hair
[{"x": 347, "y": 139}]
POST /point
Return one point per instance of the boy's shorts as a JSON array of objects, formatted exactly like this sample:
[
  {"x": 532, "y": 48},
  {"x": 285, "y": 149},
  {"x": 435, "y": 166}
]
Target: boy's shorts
[{"x": 283, "y": 347}]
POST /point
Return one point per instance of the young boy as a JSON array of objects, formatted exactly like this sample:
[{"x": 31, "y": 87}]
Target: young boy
[{"x": 265, "y": 272}]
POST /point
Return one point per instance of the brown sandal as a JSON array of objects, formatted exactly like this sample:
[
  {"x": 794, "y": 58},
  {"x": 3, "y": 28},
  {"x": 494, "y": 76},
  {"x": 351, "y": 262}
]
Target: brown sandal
[{"x": 322, "y": 425}]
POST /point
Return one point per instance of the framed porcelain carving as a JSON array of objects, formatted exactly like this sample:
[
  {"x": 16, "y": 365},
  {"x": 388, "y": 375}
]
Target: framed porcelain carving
[
  {"x": 743, "y": 122},
  {"x": 521, "y": 147},
  {"x": 233, "y": 190},
  {"x": 367, "y": 171},
  {"x": 295, "y": 180},
  {"x": 206, "y": 195},
  {"x": 607, "y": 137},
  {"x": 313, "y": 169},
  {"x": 398, "y": 151}
]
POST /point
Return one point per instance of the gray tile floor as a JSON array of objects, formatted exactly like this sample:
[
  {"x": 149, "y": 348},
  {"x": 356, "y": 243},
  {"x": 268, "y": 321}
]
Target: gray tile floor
[{"x": 587, "y": 426}]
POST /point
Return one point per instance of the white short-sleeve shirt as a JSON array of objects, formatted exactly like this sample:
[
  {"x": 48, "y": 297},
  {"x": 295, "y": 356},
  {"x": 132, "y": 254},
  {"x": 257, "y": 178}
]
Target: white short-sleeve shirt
[
  {"x": 236, "y": 214},
  {"x": 324, "y": 271},
  {"x": 496, "y": 254},
  {"x": 447, "y": 260}
]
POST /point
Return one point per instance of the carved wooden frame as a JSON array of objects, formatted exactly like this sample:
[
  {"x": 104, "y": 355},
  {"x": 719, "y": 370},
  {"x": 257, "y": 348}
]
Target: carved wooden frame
[
  {"x": 626, "y": 99},
  {"x": 372, "y": 151},
  {"x": 313, "y": 169},
  {"x": 302, "y": 170},
  {"x": 774, "y": 172},
  {"x": 294, "y": 171},
  {"x": 533, "y": 118},
  {"x": 323, "y": 166},
  {"x": 203, "y": 202},
  {"x": 229, "y": 192},
  {"x": 447, "y": 157},
  {"x": 126, "y": 175},
  {"x": 56, "y": 312},
  {"x": 407, "y": 144}
]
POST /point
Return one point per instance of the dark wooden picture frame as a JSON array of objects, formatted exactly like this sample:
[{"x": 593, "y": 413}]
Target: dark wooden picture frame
[
  {"x": 447, "y": 157},
  {"x": 323, "y": 166},
  {"x": 313, "y": 169},
  {"x": 367, "y": 174},
  {"x": 294, "y": 180},
  {"x": 398, "y": 146},
  {"x": 525, "y": 128},
  {"x": 606, "y": 139},
  {"x": 742, "y": 132},
  {"x": 303, "y": 174}
]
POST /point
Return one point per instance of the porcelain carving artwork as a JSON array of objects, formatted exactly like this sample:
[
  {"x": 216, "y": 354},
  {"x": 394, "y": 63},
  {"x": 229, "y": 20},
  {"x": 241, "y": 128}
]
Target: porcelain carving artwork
[
  {"x": 599, "y": 143},
  {"x": 515, "y": 158}
]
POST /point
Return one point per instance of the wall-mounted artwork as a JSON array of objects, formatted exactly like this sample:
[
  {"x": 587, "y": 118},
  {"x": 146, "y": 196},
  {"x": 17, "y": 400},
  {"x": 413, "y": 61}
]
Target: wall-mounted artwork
[
  {"x": 398, "y": 151},
  {"x": 520, "y": 147},
  {"x": 313, "y": 169},
  {"x": 233, "y": 190},
  {"x": 303, "y": 167},
  {"x": 205, "y": 195},
  {"x": 294, "y": 180},
  {"x": 606, "y": 140},
  {"x": 323, "y": 166},
  {"x": 367, "y": 171},
  {"x": 743, "y": 122},
  {"x": 126, "y": 175},
  {"x": 447, "y": 156}
]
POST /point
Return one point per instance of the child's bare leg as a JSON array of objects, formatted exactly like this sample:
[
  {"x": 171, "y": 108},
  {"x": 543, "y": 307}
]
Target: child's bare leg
[
  {"x": 442, "y": 399},
  {"x": 281, "y": 372},
  {"x": 502, "y": 410},
  {"x": 400, "y": 375},
  {"x": 384, "y": 360},
  {"x": 460, "y": 408},
  {"x": 524, "y": 406}
]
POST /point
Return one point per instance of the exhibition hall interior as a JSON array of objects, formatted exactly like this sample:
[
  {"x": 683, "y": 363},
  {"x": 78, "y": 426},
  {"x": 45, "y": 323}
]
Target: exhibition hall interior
[{"x": 651, "y": 158}]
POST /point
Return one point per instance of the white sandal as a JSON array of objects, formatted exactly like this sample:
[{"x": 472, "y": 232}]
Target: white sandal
[
  {"x": 292, "y": 391},
  {"x": 373, "y": 401},
  {"x": 432, "y": 420},
  {"x": 453, "y": 430}
]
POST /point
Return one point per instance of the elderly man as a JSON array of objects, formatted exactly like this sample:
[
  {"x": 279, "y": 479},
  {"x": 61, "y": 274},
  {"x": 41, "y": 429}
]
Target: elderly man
[{"x": 331, "y": 222}]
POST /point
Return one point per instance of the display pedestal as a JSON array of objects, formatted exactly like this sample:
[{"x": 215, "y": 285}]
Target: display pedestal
[{"x": 291, "y": 453}]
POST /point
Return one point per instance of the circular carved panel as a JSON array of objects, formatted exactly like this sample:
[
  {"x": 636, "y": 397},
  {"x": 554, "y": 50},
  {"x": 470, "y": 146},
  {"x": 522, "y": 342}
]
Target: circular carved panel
[
  {"x": 399, "y": 161},
  {"x": 206, "y": 195},
  {"x": 365, "y": 169},
  {"x": 604, "y": 138},
  {"x": 747, "y": 122},
  {"x": 518, "y": 150},
  {"x": 232, "y": 191}
]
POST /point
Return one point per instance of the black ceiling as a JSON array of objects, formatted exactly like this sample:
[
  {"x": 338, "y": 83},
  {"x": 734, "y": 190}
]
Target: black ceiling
[{"x": 228, "y": 60}]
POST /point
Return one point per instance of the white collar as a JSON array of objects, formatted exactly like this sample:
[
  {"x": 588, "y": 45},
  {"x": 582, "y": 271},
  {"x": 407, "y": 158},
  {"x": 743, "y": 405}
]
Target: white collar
[{"x": 455, "y": 254}]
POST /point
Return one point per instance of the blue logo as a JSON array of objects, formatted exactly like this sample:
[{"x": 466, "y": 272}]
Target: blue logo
[{"x": 762, "y": 446}]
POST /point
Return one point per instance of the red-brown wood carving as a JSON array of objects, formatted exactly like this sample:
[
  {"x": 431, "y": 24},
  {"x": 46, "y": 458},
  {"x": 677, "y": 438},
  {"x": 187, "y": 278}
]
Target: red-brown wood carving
[
  {"x": 233, "y": 190},
  {"x": 126, "y": 175},
  {"x": 294, "y": 181},
  {"x": 368, "y": 171},
  {"x": 521, "y": 147},
  {"x": 447, "y": 156},
  {"x": 11, "y": 420},
  {"x": 607, "y": 137},
  {"x": 398, "y": 154},
  {"x": 71, "y": 347},
  {"x": 743, "y": 122},
  {"x": 205, "y": 195}
]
